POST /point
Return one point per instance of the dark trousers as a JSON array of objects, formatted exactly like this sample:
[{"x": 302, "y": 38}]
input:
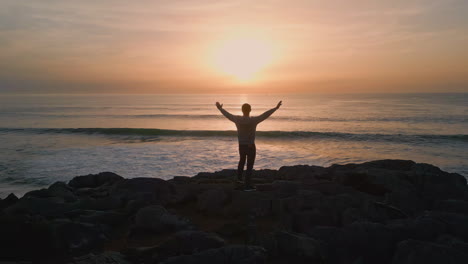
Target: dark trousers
[{"x": 246, "y": 152}]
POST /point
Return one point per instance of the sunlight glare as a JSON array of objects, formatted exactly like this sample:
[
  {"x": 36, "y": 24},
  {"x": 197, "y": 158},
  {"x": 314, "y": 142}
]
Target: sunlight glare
[{"x": 243, "y": 57}]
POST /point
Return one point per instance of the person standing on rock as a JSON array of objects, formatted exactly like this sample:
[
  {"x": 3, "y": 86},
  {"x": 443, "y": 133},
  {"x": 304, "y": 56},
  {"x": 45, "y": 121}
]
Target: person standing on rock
[{"x": 246, "y": 128}]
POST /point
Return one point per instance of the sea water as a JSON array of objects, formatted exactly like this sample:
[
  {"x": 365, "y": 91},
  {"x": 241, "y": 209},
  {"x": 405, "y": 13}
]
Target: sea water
[{"x": 48, "y": 138}]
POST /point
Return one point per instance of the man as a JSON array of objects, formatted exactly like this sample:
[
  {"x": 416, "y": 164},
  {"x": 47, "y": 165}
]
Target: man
[{"x": 246, "y": 127}]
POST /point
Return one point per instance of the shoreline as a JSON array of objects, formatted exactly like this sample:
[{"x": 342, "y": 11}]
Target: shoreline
[{"x": 384, "y": 211}]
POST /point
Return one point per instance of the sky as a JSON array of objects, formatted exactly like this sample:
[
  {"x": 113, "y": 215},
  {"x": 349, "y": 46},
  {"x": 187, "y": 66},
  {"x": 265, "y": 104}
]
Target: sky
[{"x": 218, "y": 46}]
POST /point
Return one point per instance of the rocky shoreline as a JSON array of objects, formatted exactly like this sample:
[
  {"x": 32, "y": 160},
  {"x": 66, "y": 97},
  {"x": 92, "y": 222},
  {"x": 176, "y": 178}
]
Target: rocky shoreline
[{"x": 385, "y": 211}]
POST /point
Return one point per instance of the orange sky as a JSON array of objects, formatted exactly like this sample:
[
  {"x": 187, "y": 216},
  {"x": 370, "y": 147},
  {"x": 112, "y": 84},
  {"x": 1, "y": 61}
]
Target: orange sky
[{"x": 202, "y": 46}]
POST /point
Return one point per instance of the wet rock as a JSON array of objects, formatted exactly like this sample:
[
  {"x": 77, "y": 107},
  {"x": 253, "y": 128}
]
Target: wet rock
[
  {"x": 212, "y": 201},
  {"x": 228, "y": 255},
  {"x": 76, "y": 237},
  {"x": 157, "y": 219},
  {"x": 415, "y": 252},
  {"x": 154, "y": 190},
  {"x": 110, "y": 218},
  {"x": 94, "y": 180}
]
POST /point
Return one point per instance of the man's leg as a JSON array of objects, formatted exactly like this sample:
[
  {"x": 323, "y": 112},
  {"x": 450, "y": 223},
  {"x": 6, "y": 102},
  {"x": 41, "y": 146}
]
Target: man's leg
[
  {"x": 252, "y": 152},
  {"x": 242, "y": 157}
]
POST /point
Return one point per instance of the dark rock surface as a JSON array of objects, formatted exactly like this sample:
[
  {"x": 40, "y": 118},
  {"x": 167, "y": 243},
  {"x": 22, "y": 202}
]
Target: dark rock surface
[{"x": 386, "y": 211}]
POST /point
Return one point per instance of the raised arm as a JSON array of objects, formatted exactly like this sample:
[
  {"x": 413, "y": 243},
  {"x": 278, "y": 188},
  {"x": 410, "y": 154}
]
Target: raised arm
[
  {"x": 268, "y": 113},
  {"x": 225, "y": 113}
]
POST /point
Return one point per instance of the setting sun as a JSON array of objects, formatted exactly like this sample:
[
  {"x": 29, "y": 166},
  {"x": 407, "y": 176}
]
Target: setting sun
[{"x": 243, "y": 57}]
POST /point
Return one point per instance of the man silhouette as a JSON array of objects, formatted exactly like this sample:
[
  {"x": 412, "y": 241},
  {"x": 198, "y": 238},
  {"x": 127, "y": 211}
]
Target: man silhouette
[{"x": 246, "y": 128}]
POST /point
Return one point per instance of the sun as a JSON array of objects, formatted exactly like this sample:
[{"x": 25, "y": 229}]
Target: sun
[{"x": 243, "y": 57}]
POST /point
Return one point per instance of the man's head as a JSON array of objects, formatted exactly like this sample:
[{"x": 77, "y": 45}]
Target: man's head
[{"x": 246, "y": 109}]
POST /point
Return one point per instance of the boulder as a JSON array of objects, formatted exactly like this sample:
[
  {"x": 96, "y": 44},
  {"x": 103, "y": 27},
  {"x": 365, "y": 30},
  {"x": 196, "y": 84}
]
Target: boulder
[
  {"x": 232, "y": 254},
  {"x": 456, "y": 224},
  {"x": 153, "y": 190},
  {"x": 212, "y": 201},
  {"x": 94, "y": 180},
  {"x": 415, "y": 252},
  {"x": 157, "y": 219}
]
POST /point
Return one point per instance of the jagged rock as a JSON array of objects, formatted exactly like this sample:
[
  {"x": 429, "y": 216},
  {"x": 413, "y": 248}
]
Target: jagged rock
[
  {"x": 212, "y": 201},
  {"x": 233, "y": 254},
  {"x": 57, "y": 190},
  {"x": 153, "y": 190},
  {"x": 157, "y": 219},
  {"x": 94, "y": 180},
  {"x": 108, "y": 257},
  {"x": 452, "y": 206},
  {"x": 416, "y": 252}
]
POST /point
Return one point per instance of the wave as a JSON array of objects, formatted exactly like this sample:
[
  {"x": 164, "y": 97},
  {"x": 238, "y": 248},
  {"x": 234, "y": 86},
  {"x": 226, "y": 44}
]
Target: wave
[
  {"x": 149, "y": 132},
  {"x": 412, "y": 119}
]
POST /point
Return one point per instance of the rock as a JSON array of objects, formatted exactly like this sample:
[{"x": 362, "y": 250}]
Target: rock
[
  {"x": 212, "y": 201},
  {"x": 456, "y": 224},
  {"x": 153, "y": 190},
  {"x": 415, "y": 252},
  {"x": 420, "y": 228},
  {"x": 51, "y": 207},
  {"x": 283, "y": 189},
  {"x": 157, "y": 219},
  {"x": 389, "y": 164},
  {"x": 243, "y": 203},
  {"x": 187, "y": 243},
  {"x": 8, "y": 201},
  {"x": 94, "y": 180},
  {"x": 232, "y": 254},
  {"x": 110, "y": 218},
  {"x": 76, "y": 237},
  {"x": 361, "y": 241},
  {"x": 108, "y": 257},
  {"x": 300, "y": 172},
  {"x": 290, "y": 244},
  {"x": 452, "y": 206},
  {"x": 106, "y": 203}
]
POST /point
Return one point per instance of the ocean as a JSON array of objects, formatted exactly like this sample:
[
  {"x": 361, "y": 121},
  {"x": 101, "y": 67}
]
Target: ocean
[{"x": 48, "y": 138}]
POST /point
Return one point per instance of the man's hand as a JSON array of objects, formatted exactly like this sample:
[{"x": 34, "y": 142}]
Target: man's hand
[
  {"x": 279, "y": 104},
  {"x": 219, "y": 105}
]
